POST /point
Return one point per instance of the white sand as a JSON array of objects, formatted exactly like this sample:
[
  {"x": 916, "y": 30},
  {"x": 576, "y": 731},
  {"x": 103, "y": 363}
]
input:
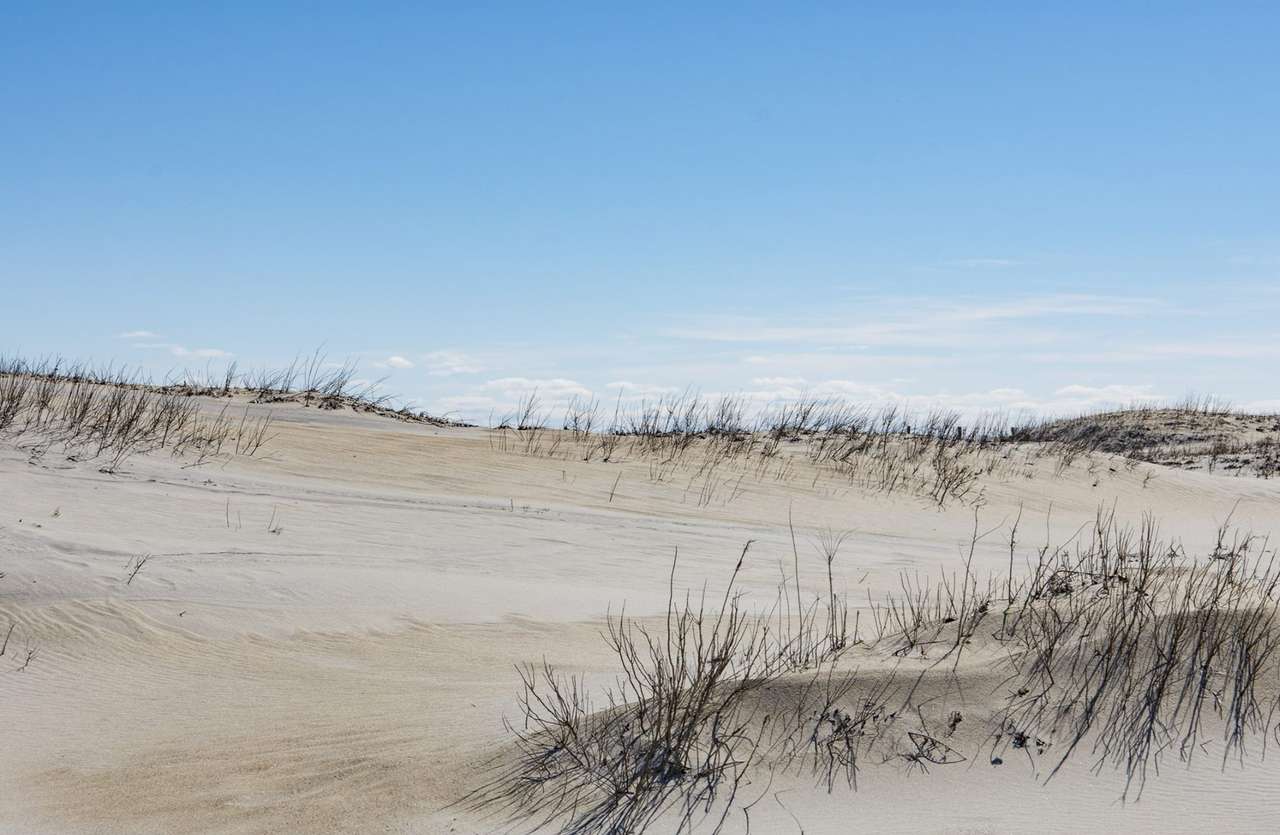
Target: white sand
[{"x": 348, "y": 671}]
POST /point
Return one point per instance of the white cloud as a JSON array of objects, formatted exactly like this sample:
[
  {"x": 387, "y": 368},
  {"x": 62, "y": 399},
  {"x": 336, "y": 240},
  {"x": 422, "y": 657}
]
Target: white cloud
[
  {"x": 469, "y": 406},
  {"x": 629, "y": 389},
  {"x": 817, "y": 364},
  {"x": 448, "y": 363},
  {"x": 138, "y": 335},
  {"x": 397, "y": 361},
  {"x": 782, "y": 389},
  {"x": 1147, "y": 352},
  {"x": 183, "y": 351},
  {"x": 914, "y": 321},
  {"x": 553, "y": 389},
  {"x": 500, "y": 398},
  {"x": 778, "y": 381},
  {"x": 1108, "y": 394},
  {"x": 1061, "y": 304}
]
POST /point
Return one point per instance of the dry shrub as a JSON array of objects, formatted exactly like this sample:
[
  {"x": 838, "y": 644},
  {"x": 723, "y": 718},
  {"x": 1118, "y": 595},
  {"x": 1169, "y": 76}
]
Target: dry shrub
[
  {"x": 1122, "y": 649},
  {"x": 677, "y": 734}
]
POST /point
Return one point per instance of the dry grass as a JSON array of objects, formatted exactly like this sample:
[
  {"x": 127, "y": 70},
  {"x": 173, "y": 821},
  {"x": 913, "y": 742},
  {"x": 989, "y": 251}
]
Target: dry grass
[
  {"x": 677, "y": 735},
  {"x": 1117, "y": 647},
  {"x": 712, "y": 447},
  {"x": 1196, "y": 434},
  {"x": 1130, "y": 648},
  {"x": 108, "y": 414}
]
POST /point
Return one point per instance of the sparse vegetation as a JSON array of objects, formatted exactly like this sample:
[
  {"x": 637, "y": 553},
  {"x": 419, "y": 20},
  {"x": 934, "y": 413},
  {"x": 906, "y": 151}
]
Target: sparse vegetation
[
  {"x": 677, "y": 735},
  {"x": 135, "y": 565},
  {"x": 712, "y": 446},
  {"x": 1117, "y": 646},
  {"x": 108, "y": 414},
  {"x": 1199, "y": 433}
]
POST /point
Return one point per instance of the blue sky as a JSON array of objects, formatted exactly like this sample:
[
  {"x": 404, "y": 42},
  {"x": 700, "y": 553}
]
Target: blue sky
[{"x": 994, "y": 206}]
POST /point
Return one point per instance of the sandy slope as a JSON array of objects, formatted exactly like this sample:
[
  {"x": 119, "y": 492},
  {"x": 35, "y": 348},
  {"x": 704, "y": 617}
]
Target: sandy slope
[{"x": 324, "y": 637}]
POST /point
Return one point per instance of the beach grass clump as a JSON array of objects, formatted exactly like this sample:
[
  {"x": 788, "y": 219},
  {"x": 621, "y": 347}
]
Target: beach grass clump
[
  {"x": 108, "y": 415},
  {"x": 677, "y": 734},
  {"x": 1117, "y": 648}
]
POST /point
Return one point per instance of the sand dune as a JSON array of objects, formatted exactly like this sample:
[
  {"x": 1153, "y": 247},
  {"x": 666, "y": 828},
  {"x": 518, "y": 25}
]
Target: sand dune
[{"x": 324, "y": 637}]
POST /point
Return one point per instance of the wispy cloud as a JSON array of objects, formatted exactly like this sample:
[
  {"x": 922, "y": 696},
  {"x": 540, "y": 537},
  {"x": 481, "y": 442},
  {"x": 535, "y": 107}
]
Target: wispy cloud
[
  {"x": 982, "y": 263},
  {"x": 1115, "y": 393},
  {"x": 138, "y": 335},
  {"x": 1141, "y": 353},
  {"x": 1055, "y": 353},
  {"x": 909, "y": 321},
  {"x": 502, "y": 396},
  {"x": 182, "y": 351},
  {"x": 778, "y": 381},
  {"x": 626, "y": 388},
  {"x": 1255, "y": 260},
  {"x": 1062, "y": 304},
  {"x": 447, "y": 363},
  {"x": 395, "y": 361},
  {"x": 555, "y": 388}
]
